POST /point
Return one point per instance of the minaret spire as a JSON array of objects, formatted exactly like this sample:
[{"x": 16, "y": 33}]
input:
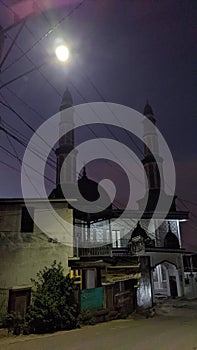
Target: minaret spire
[
  {"x": 148, "y": 112},
  {"x": 84, "y": 174},
  {"x": 66, "y": 140},
  {"x": 153, "y": 167},
  {"x": 67, "y": 100},
  {"x": 148, "y": 109}
]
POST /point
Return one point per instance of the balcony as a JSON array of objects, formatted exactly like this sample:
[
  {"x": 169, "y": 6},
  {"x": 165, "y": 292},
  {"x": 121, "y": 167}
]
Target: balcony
[
  {"x": 100, "y": 250},
  {"x": 121, "y": 248}
]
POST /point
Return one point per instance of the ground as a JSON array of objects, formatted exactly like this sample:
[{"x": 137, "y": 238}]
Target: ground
[{"x": 174, "y": 327}]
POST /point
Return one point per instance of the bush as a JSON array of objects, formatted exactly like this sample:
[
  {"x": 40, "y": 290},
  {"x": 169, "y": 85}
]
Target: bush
[
  {"x": 86, "y": 318},
  {"x": 14, "y": 323},
  {"x": 53, "y": 306}
]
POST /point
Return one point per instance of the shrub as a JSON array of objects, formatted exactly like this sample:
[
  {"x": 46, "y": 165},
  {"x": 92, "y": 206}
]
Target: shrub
[
  {"x": 86, "y": 318},
  {"x": 14, "y": 323},
  {"x": 53, "y": 306}
]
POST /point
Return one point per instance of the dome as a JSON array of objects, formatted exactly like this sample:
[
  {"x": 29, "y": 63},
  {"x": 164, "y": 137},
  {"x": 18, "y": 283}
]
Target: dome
[
  {"x": 88, "y": 188},
  {"x": 171, "y": 241},
  {"x": 91, "y": 191},
  {"x": 139, "y": 231}
]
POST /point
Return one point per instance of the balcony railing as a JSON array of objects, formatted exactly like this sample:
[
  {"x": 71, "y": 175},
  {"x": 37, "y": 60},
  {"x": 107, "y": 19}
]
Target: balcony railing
[
  {"x": 119, "y": 248},
  {"x": 96, "y": 249}
]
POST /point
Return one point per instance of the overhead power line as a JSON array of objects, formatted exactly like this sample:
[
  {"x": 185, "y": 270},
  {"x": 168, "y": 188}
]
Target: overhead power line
[
  {"x": 191, "y": 213},
  {"x": 50, "y": 31},
  {"x": 187, "y": 201},
  {"x": 24, "y": 138},
  {"x": 27, "y": 124},
  {"x": 38, "y": 68},
  {"x": 29, "y": 178},
  {"x": 15, "y": 155},
  {"x": 90, "y": 81},
  {"x": 21, "y": 75},
  {"x": 9, "y": 166},
  {"x": 86, "y": 101},
  {"x": 106, "y": 126},
  {"x": 29, "y": 166},
  {"x": 104, "y": 100},
  {"x": 94, "y": 112},
  {"x": 30, "y": 108},
  {"x": 25, "y": 141},
  {"x": 119, "y": 120},
  {"x": 17, "y": 20},
  {"x": 12, "y": 44},
  {"x": 23, "y": 144}
]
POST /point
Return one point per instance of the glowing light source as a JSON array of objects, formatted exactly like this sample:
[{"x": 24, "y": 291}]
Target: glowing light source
[{"x": 62, "y": 53}]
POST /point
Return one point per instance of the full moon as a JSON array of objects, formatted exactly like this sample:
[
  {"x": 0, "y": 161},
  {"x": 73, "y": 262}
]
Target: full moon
[{"x": 62, "y": 53}]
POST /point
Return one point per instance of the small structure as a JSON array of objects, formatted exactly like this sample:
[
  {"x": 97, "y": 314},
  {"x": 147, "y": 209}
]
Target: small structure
[{"x": 25, "y": 249}]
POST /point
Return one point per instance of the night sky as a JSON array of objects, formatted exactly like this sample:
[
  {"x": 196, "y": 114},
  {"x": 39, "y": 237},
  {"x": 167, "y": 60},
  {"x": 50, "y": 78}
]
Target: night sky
[{"x": 130, "y": 50}]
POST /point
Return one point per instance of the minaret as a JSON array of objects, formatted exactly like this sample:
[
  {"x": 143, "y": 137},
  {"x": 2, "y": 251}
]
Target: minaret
[
  {"x": 152, "y": 166},
  {"x": 66, "y": 143}
]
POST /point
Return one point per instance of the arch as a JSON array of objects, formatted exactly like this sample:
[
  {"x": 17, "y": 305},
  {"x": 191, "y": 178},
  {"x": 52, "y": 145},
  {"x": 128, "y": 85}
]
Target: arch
[
  {"x": 164, "y": 261},
  {"x": 166, "y": 279}
]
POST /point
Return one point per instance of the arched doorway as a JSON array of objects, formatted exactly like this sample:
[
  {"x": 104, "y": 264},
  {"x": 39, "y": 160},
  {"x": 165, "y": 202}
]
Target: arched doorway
[{"x": 166, "y": 282}]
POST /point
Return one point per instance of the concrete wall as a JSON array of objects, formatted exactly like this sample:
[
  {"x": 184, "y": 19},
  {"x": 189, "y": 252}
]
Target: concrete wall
[
  {"x": 24, "y": 254},
  {"x": 191, "y": 287}
]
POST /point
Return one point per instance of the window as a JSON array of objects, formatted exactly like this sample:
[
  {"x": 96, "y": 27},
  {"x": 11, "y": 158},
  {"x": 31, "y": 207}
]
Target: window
[
  {"x": 116, "y": 242},
  {"x": 27, "y": 222},
  {"x": 155, "y": 275},
  {"x": 163, "y": 273},
  {"x": 90, "y": 278}
]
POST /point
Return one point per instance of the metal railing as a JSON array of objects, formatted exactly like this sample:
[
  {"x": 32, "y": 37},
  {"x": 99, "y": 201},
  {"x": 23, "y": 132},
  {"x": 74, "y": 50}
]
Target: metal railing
[{"x": 94, "y": 249}]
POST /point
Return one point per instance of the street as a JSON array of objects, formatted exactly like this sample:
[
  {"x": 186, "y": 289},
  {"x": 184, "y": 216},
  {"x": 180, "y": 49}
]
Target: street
[{"x": 172, "y": 328}]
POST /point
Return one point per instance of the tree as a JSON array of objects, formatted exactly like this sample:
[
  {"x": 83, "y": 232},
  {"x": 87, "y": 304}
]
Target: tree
[{"x": 54, "y": 304}]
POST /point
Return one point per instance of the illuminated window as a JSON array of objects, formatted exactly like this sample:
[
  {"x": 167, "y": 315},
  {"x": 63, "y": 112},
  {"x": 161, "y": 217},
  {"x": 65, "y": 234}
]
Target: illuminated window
[
  {"x": 163, "y": 273},
  {"x": 116, "y": 241}
]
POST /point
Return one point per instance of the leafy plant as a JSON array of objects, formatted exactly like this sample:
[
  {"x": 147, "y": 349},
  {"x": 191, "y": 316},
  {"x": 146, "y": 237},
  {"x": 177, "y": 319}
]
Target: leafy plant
[
  {"x": 14, "y": 323},
  {"x": 54, "y": 304},
  {"x": 86, "y": 318}
]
